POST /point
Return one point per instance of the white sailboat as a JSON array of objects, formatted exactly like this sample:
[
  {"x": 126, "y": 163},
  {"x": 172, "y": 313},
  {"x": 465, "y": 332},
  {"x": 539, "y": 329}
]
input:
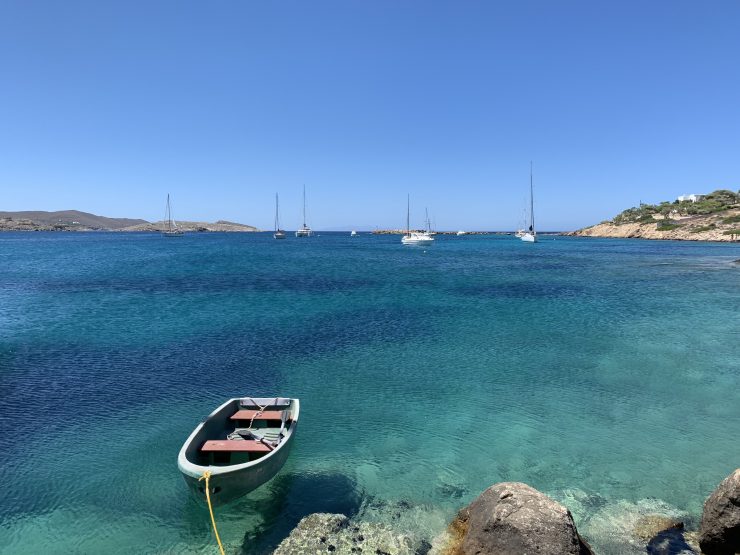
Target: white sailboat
[
  {"x": 305, "y": 231},
  {"x": 414, "y": 237},
  {"x": 279, "y": 233},
  {"x": 530, "y": 236},
  {"x": 171, "y": 229},
  {"x": 353, "y": 234}
]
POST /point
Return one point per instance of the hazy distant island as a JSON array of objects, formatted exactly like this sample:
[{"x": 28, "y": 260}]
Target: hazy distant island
[
  {"x": 711, "y": 217},
  {"x": 74, "y": 220}
]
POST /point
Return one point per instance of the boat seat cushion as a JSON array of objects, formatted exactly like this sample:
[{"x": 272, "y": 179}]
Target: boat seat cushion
[
  {"x": 270, "y": 435},
  {"x": 231, "y": 446}
]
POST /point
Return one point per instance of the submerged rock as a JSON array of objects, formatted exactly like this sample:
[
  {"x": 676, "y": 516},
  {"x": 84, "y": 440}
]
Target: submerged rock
[
  {"x": 333, "y": 533},
  {"x": 512, "y": 518},
  {"x": 649, "y": 526},
  {"x": 720, "y": 521},
  {"x": 580, "y": 503},
  {"x": 624, "y": 528}
]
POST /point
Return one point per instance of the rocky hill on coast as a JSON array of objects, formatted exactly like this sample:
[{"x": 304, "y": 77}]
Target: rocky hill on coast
[
  {"x": 220, "y": 225},
  {"x": 62, "y": 220},
  {"x": 714, "y": 217},
  {"x": 74, "y": 220}
]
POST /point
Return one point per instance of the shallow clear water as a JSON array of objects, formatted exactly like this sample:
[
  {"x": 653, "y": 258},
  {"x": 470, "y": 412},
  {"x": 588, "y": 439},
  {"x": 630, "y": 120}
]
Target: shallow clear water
[{"x": 603, "y": 372}]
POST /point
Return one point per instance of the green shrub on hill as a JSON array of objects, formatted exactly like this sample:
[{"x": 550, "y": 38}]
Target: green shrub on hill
[
  {"x": 667, "y": 225},
  {"x": 717, "y": 201},
  {"x": 732, "y": 220},
  {"x": 701, "y": 229},
  {"x": 642, "y": 214}
]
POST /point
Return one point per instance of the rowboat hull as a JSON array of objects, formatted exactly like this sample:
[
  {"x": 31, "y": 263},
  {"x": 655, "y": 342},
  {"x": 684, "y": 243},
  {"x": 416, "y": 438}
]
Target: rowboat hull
[{"x": 229, "y": 482}]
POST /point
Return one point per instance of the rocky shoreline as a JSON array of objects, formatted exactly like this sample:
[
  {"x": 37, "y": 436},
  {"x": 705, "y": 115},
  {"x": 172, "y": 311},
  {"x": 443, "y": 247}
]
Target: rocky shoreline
[
  {"x": 512, "y": 518},
  {"x": 716, "y": 217},
  {"x": 692, "y": 229}
]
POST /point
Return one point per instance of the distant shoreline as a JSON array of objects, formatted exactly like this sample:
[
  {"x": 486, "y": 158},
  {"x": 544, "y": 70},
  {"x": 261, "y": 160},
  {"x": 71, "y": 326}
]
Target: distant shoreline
[{"x": 74, "y": 220}]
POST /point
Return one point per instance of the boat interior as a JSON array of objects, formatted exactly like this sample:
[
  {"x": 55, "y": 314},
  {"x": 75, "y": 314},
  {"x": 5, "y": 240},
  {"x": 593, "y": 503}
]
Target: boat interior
[{"x": 241, "y": 431}]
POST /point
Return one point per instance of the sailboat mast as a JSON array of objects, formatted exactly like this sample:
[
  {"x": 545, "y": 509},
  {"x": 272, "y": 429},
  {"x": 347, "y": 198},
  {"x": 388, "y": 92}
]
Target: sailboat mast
[
  {"x": 168, "y": 215},
  {"x": 304, "y": 206},
  {"x": 277, "y": 221},
  {"x": 408, "y": 209},
  {"x": 531, "y": 197}
]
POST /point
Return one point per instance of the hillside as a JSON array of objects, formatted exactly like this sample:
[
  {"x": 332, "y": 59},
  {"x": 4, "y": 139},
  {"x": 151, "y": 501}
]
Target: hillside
[
  {"x": 63, "y": 220},
  {"x": 220, "y": 225},
  {"x": 74, "y": 220},
  {"x": 716, "y": 217}
]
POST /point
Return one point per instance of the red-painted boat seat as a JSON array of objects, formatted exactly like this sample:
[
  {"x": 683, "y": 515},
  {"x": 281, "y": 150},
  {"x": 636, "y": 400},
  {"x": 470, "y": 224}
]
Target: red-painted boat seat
[
  {"x": 231, "y": 446},
  {"x": 246, "y": 414}
]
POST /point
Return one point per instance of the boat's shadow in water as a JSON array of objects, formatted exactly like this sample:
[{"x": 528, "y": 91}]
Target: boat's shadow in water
[{"x": 287, "y": 499}]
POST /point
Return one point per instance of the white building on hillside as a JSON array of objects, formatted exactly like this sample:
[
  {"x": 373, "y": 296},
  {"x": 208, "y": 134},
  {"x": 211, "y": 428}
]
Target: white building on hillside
[{"x": 692, "y": 198}]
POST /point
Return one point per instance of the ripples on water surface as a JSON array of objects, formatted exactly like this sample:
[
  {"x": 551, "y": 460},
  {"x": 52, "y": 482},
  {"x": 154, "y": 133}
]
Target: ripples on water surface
[{"x": 603, "y": 372}]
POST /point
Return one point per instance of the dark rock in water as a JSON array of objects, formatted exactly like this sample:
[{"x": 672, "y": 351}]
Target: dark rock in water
[
  {"x": 669, "y": 542},
  {"x": 424, "y": 548},
  {"x": 452, "y": 491},
  {"x": 720, "y": 522},
  {"x": 512, "y": 518}
]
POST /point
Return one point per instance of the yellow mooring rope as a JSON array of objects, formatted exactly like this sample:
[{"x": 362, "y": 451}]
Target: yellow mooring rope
[{"x": 207, "y": 477}]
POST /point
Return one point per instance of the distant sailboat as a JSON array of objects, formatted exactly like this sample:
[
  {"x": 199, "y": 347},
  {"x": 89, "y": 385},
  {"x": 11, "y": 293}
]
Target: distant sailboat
[
  {"x": 414, "y": 237},
  {"x": 305, "y": 231},
  {"x": 353, "y": 234},
  {"x": 279, "y": 233},
  {"x": 530, "y": 236},
  {"x": 171, "y": 229}
]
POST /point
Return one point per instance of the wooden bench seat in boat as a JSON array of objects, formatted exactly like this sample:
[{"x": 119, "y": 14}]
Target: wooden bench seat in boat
[
  {"x": 247, "y": 414},
  {"x": 234, "y": 446}
]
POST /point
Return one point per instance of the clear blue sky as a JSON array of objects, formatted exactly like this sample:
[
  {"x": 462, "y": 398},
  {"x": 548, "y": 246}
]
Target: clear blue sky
[{"x": 108, "y": 106}]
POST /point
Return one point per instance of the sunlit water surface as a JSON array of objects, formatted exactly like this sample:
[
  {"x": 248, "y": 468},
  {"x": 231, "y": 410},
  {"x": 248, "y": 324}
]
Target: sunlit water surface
[{"x": 603, "y": 372}]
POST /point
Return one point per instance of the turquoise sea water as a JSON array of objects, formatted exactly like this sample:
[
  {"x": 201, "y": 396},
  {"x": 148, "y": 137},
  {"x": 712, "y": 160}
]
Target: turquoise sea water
[{"x": 603, "y": 372}]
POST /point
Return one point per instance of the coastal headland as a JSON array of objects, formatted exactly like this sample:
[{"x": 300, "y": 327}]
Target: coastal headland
[
  {"x": 713, "y": 217},
  {"x": 74, "y": 220}
]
